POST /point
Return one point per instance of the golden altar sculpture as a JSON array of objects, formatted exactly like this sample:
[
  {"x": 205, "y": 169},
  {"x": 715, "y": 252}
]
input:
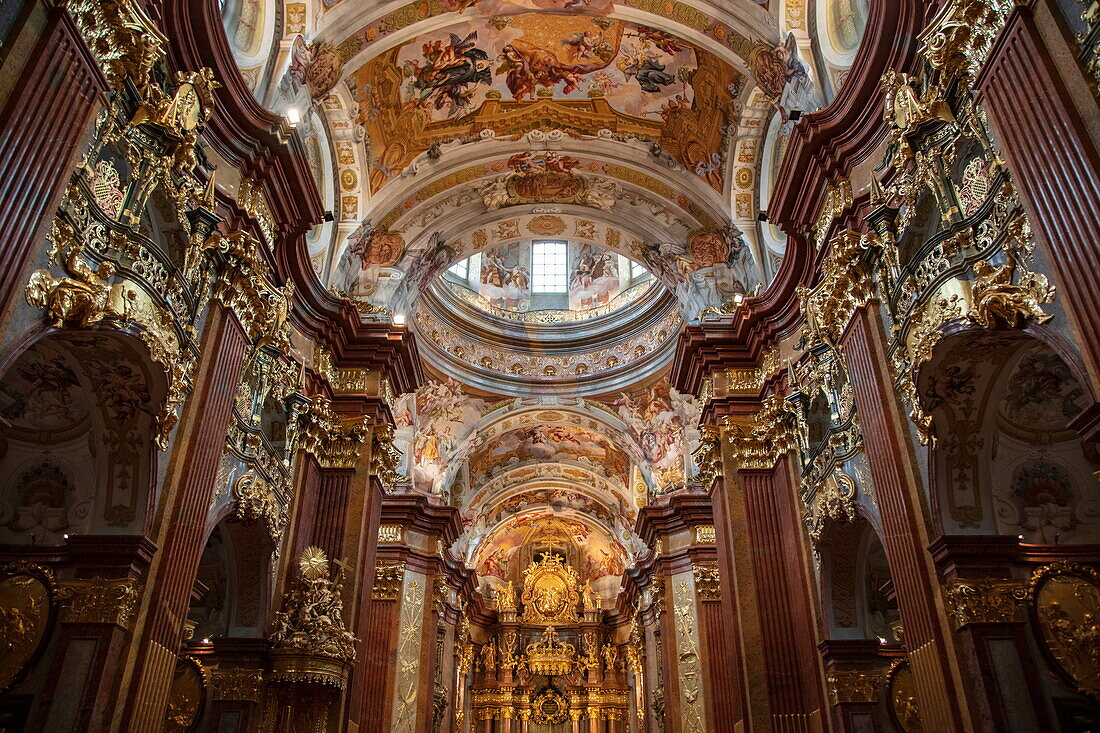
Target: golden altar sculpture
[{"x": 550, "y": 594}]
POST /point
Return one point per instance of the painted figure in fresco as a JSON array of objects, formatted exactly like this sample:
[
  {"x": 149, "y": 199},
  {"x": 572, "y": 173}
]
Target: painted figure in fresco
[
  {"x": 595, "y": 279},
  {"x": 785, "y": 80},
  {"x": 641, "y": 64},
  {"x": 506, "y": 286},
  {"x": 315, "y": 65},
  {"x": 452, "y": 72},
  {"x": 526, "y": 67}
]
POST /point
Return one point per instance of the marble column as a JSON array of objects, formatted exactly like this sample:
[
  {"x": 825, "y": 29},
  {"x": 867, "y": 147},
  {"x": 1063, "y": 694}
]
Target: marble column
[
  {"x": 181, "y": 514},
  {"x": 902, "y": 504}
]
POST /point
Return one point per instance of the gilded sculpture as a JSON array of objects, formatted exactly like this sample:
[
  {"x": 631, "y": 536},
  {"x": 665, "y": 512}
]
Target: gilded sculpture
[
  {"x": 997, "y": 298},
  {"x": 80, "y": 300},
  {"x": 311, "y": 622}
]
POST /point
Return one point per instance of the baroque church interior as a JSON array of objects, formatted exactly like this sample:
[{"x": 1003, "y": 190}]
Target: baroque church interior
[{"x": 531, "y": 366}]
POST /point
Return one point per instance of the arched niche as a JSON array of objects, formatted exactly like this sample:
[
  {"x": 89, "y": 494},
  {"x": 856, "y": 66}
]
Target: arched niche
[
  {"x": 857, "y": 587},
  {"x": 1005, "y": 459},
  {"x": 233, "y": 584},
  {"x": 77, "y": 421}
]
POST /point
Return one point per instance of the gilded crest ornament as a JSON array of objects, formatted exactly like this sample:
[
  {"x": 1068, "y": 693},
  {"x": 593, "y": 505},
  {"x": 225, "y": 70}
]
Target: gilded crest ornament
[
  {"x": 550, "y": 591},
  {"x": 549, "y": 708},
  {"x": 186, "y": 697},
  {"x": 901, "y": 688}
]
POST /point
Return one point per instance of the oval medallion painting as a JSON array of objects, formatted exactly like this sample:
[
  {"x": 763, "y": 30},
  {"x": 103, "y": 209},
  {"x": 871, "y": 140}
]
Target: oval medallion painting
[
  {"x": 1065, "y": 600},
  {"x": 25, "y": 612}
]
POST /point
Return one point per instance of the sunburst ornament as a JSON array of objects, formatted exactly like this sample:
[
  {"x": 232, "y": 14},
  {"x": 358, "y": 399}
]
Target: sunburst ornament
[{"x": 314, "y": 563}]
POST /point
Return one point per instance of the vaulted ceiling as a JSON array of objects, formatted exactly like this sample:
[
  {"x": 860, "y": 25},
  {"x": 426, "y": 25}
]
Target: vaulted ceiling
[{"x": 646, "y": 129}]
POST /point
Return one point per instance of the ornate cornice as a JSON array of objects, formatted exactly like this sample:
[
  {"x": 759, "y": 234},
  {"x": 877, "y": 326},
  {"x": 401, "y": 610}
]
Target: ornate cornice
[{"x": 826, "y": 143}]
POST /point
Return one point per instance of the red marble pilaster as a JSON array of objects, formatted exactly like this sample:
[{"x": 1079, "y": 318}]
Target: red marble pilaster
[
  {"x": 330, "y": 513},
  {"x": 378, "y": 649},
  {"x": 728, "y": 672},
  {"x": 42, "y": 127},
  {"x": 900, "y": 499},
  {"x": 368, "y": 656},
  {"x": 1042, "y": 130},
  {"x": 787, "y": 624},
  {"x": 182, "y": 514}
]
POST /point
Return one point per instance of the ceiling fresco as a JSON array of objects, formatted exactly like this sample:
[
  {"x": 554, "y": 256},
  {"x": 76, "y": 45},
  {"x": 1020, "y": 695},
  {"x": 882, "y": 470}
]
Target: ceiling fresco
[
  {"x": 553, "y": 443},
  {"x": 586, "y": 73}
]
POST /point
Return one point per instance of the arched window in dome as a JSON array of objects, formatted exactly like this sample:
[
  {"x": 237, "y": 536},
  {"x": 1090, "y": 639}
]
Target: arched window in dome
[
  {"x": 772, "y": 237},
  {"x": 250, "y": 27},
  {"x": 840, "y": 25},
  {"x": 576, "y": 280}
]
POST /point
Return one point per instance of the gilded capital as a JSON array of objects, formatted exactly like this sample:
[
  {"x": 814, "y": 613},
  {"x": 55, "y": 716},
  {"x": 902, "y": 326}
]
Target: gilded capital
[
  {"x": 767, "y": 436},
  {"x": 99, "y": 601},
  {"x": 984, "y": 600}
]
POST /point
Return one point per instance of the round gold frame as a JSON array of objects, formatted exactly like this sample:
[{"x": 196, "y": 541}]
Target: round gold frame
[{"x": 549, "y": 707}]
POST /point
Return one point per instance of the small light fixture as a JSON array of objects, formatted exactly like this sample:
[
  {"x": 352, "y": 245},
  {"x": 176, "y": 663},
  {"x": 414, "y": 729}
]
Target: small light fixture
[
  {"x": 65, "y": 536},
  {"x": 738, "y": 298},
  {"x": 293, "y": 116},
  {"x": 1020, "y": 537},
  {"x": 399, "y": 319},
  {"x": 206, "y": 640},
  {"x": 882, "y": 640}
]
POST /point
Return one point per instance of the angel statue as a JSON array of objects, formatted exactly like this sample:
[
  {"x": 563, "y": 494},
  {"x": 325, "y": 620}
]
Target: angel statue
[
  {"x": 81, "y": 299},
  {"x": 996, "y": 297}
]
